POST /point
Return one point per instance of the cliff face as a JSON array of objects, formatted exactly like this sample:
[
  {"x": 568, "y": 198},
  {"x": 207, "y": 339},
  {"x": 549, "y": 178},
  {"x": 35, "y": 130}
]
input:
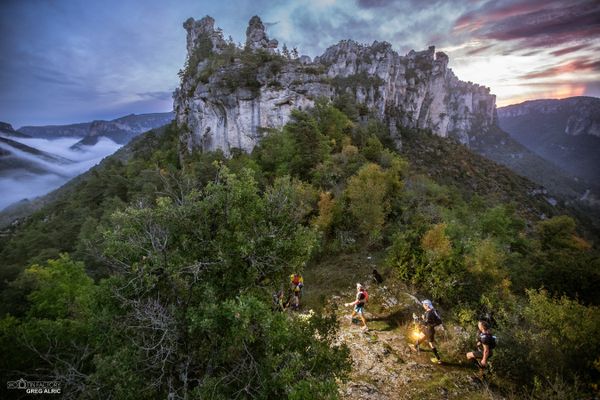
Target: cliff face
[
  {"x": 417, "y": 90},
  {"x": 229, "y": 95}
]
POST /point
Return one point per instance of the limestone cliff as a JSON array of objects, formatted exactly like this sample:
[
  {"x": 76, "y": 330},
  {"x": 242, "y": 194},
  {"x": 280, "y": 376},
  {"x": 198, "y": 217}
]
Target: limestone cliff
[{"x": 228, "y": 95}]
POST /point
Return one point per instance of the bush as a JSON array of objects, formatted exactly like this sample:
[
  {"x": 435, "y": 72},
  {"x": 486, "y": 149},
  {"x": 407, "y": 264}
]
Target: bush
[
  {"x": 564, "y": 333},
  {"x": 562, "y": 262},
  {"x": 435, "y": 243},
  {"x": 549, "y": 344}
]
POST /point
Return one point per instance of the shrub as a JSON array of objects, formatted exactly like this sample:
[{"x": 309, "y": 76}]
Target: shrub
[
  {"x": 367, "y": 192},
  {"x": 435, "y": 243}
]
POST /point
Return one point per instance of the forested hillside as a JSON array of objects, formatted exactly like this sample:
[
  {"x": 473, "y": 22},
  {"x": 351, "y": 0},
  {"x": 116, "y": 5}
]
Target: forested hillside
[{"x": 152, "y": 277}]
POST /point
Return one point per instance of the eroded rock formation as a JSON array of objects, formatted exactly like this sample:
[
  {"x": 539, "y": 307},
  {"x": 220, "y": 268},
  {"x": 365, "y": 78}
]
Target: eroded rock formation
[{"x": 228, "y": 96}]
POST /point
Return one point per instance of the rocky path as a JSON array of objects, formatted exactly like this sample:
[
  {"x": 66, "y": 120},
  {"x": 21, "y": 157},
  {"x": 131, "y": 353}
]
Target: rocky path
[{"x": 384, "y": 367}]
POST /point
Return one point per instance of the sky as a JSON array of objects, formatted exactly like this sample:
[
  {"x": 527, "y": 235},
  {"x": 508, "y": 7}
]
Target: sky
[{"x": 67, "y": 61}]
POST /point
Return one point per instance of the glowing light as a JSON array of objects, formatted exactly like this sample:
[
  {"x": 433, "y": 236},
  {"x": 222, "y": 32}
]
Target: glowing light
[
  {"x": 568, "y": 91},
  {"x": 417, "y": 334}
]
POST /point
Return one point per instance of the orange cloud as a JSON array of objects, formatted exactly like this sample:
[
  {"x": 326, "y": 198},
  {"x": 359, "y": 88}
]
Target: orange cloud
[{"x": 571, "y": 66}]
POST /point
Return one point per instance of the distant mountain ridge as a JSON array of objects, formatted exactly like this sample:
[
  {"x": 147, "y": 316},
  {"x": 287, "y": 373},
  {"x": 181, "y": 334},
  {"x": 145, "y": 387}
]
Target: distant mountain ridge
[
  {"x": 120, "y": 130},
  {"x": 56, "y": 131},
  {"x": 565, "y": 132},
  {"x": 497, "y": 145}
]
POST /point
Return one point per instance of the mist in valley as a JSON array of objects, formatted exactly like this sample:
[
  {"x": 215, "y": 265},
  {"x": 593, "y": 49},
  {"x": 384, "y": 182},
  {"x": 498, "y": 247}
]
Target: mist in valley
[{"x": 20, "y": 183}]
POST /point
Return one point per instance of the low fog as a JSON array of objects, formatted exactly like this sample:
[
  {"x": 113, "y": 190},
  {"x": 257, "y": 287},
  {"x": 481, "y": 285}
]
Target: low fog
[{"x": 19, "y": 184}]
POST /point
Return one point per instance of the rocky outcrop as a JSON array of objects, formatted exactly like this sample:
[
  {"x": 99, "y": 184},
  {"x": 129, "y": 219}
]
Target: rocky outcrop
[
  {"x": 202, "y": 33},
  {"x": 256, "y": 37},
  {"x": 417, "y": 90},
  {"x": 228, "y": 96}
]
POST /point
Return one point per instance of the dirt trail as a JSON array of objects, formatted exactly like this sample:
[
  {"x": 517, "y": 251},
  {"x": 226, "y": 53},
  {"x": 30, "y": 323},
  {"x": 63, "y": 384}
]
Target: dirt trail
[{"x": 384, "y": 366}]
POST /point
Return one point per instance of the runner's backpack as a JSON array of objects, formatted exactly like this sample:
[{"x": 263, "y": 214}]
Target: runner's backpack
[
  {"x": 364, "y": 291},
  {"x": 488, "y": 339},
  {"x": 296, "y": 279},
  {"x": 435, "y": 318}
]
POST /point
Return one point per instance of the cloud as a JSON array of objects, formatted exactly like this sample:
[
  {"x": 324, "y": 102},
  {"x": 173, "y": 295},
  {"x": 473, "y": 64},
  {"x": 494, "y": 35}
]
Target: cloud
[
  {"x": 531, "y": 53},
  {"x": 479, "y": 50},
  {"x": 59, "y": 146},
  {"x": 568, "y": 50},
  {"x": 495, "y": 11},
  {"x": 24, "y": 185},
  {"x": 534, "y": 23},
  {"x": 547, "y": 91},
  {"x": 565, "y": 68},
  {"x": 164, "y": 95},
  {"x": 405, "y": 24},
  {"x": 374, "y": 3},
  {"x": 100, "y": 60},
  {"x": 80, "y": 60}
]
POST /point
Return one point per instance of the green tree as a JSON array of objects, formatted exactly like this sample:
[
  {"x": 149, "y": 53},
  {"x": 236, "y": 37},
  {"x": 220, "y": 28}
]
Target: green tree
[
  {"x": 275, "y": 152},
  {"x": 54, "y": 340},
  {"x": 311, "y": 145},
  {"x": 193, "y": 291},
  {"x": 435, "y": 243},
  {"x": 369, "y": 192},
  {"x": 562, "y": 262},
  {"x": 558, "y": 233},
  {"x": 332, "y": 123}
]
